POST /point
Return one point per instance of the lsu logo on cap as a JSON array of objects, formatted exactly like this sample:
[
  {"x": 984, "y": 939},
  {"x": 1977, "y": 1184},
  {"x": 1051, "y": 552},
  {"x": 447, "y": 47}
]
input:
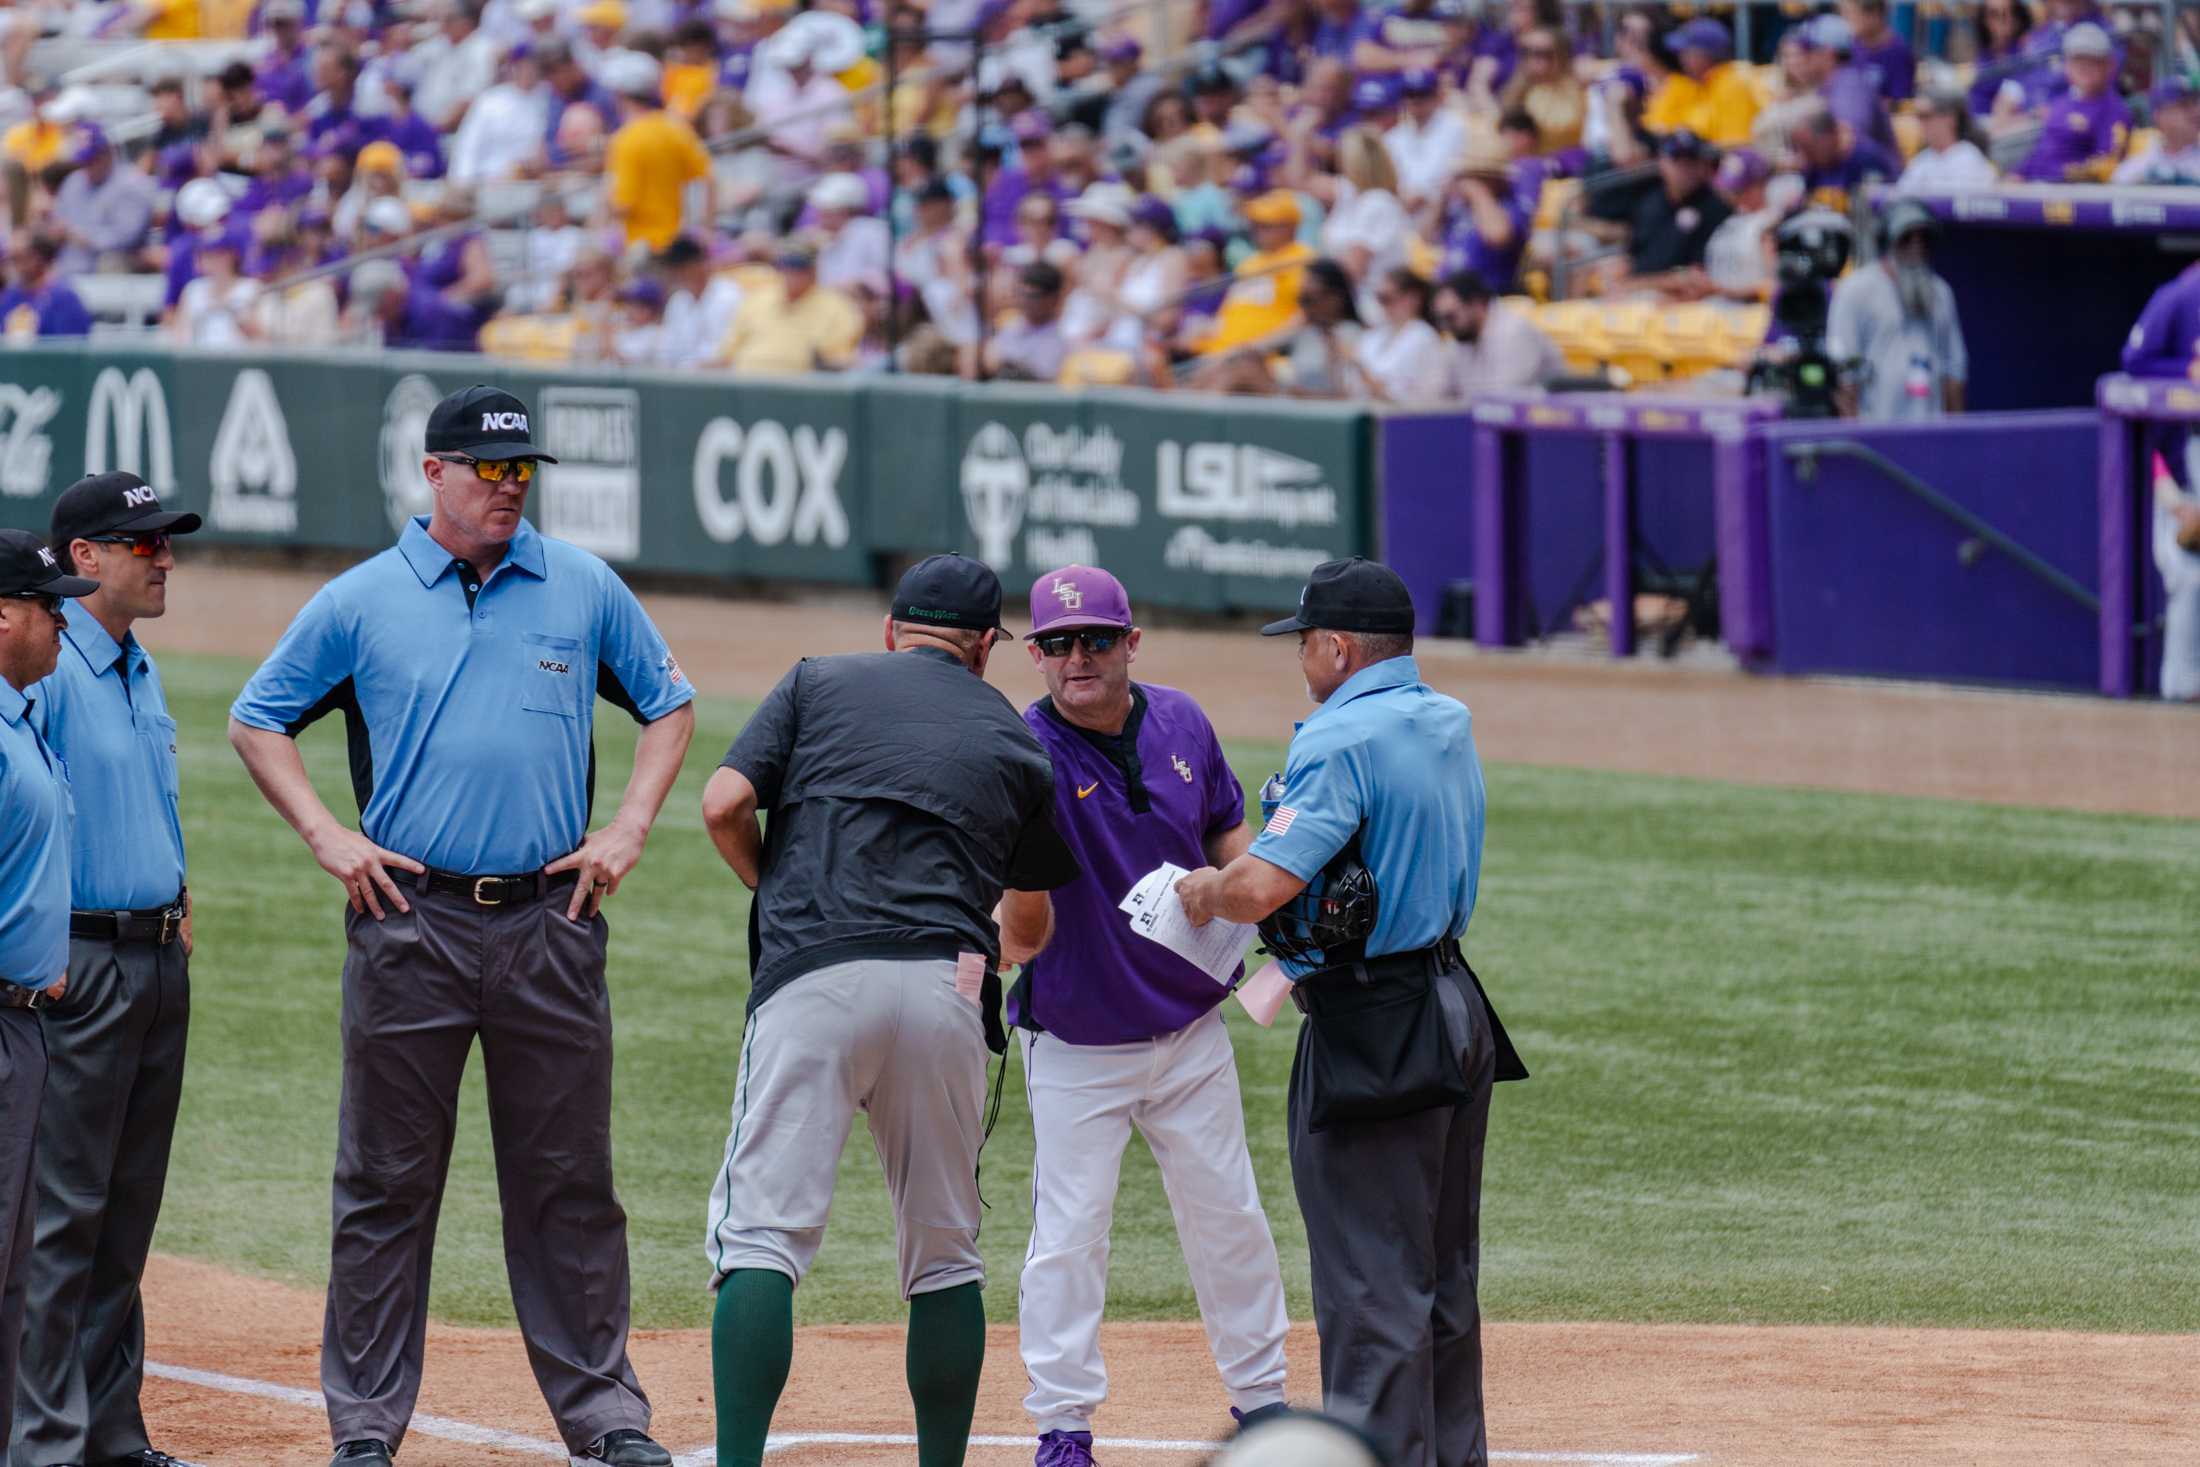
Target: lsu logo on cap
[
  {"x": 139, "y": 498},
  {"x": 503, "y": 422},
  {"x": 1067, "y": 593}
]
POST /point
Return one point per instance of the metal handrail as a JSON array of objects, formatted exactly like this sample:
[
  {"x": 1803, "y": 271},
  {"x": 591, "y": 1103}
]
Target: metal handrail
[
  {"x": 1564, "y": 265},
  {"x": 1806, "y": 455}
]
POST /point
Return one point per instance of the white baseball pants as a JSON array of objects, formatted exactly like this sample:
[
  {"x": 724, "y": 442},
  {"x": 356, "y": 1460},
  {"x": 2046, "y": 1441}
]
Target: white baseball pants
[{"x": 1181, "y": 1092}]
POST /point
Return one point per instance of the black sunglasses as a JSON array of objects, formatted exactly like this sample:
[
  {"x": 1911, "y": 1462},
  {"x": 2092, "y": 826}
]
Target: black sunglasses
[
  {"x": 47, "y": 599},
  {"x": 1058, "y": 644}
]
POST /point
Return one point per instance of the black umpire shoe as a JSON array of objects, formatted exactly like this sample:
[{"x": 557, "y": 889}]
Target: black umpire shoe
[
  {"x": 627, "y": 1448},
  {"x": 146, "y": 1457},
  {"x": 1247, "y": 1420},
  {"x": 366, "y": 1452}
]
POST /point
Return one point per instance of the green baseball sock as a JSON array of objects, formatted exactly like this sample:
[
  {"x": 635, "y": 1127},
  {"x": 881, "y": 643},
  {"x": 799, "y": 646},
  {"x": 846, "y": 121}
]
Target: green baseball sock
[
  {"x": 751, "y": 1346},
  {"x": 946, "y": 1356}
]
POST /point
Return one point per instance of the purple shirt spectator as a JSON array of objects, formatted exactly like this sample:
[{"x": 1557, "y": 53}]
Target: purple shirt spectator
[
  {"x": 1864, "y": 163},
  {"x": 284, "y": 77},
  {"x": 431, "y": 323},
  {"x": 2076, "y": 130},
  {"x": 264, "y": 192},
  {"x": 50, "y": 308},
  {"x": 1336, "y": 38},
  {"x": 412, "y": 135},
  {"x": 331, "y": 125},
  {"x": 442, "y": 263},
  {"x": 1224, "y": 16},
  {"x": 1465, "y": 248},
  {"x": 595, "y": 96},
  {"x": 2166, "y": 341},
  {"x": 1852, "y": 98},
  {"x": 1888, "y": 64}
]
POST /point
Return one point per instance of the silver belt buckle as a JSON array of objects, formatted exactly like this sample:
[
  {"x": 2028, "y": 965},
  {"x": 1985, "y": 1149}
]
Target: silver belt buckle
[
  {"x": 479, "y": 899},
  {"x": 170, "y": 919}
]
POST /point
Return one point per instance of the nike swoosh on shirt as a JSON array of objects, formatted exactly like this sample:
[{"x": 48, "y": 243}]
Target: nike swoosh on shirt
[{"x": 1088, "y": 789}]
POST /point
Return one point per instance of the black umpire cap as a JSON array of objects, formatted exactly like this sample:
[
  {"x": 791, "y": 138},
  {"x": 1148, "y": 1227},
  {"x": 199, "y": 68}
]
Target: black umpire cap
[
  {"x": 950, "y": 591},
  {"x": 28, "y": 568},
  {"x": 1353, "y": 595},
  {"x": 117, "y": 503},
  {"x": 482, "y": 422}
]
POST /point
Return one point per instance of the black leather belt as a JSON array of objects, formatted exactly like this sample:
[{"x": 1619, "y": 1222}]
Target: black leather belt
[
  {"x": 1421, "y": 962},
  {"x": 16, "y": 996},
  {"x": 157, "y": 925},
  {"x": 493, "y": 891}
]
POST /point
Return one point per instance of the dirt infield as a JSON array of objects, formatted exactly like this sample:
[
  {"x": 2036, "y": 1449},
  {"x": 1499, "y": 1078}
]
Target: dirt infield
[
  {"x": 1647, "y": 717},
  {"x": 235, "y": 1358},
  {"x": 1719, "y": 1395}
]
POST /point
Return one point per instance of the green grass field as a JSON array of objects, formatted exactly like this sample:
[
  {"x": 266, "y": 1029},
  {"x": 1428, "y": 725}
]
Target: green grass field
[{"x": 1798, "y": 1057}]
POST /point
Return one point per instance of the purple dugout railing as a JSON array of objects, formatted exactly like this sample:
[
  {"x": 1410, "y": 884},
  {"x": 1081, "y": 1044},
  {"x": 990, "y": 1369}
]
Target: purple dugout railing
[
  {"x": 1622, "y": 421},
  {"x": 2138, "y": 416}
]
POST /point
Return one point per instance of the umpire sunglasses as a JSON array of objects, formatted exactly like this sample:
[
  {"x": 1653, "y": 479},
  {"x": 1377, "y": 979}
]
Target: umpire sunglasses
[
  {"x": 1098, "y": 641},
  {"x": 145, "y": 547},
  {"x": 493, "y": 470}
]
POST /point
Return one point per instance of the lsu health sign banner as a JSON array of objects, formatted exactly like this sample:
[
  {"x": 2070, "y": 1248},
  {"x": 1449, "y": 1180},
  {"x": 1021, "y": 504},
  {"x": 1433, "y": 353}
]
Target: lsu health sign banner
[{"x": 1196, "y": 503}]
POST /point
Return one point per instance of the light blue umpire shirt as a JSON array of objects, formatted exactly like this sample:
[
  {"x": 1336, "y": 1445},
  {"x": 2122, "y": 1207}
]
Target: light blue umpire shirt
[
  {"x": 34, "y": 848},
  {"x": 104, "y": 712},
  {"x": 1390, "y": 757},
  {"x": 470, "y": 714}
]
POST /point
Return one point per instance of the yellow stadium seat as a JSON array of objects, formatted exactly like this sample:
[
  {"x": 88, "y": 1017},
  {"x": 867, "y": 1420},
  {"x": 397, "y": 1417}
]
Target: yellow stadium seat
[
  {"x": 1745, "y": 332},
  {"x": 533, "y": 338},
  {"x": 1630, "y": 328},
  {"x": 1690, "y": 338},
  {"x": 1577, "y": 330},
  {"x": 1095, "y": 368}
]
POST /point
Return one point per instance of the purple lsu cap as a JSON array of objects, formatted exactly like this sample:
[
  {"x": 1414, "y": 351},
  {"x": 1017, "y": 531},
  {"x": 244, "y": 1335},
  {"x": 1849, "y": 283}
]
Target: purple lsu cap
[{"x": 1077, "y": 596}]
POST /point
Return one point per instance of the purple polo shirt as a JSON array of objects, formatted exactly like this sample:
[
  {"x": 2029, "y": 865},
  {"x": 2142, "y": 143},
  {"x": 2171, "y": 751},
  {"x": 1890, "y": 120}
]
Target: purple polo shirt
[
  {"x": 59, "y": 312},
  {"x": 1098, "y": 982},
  {"x": 1465, "y": 249},
  {"x": 416, "y": 138},
  {"x": 1866, "y": 161},
  {"x": 1887, "y": 64},
  {"x": 2076, "y": 129},
  {"x": 264, "y": 192},
  {"x": 2166, "y": 340},
  {"x": 284, "y": 79},
  {"x": 1336, "y": 39},
  {"x": 1224, "y": 16},
  {"x": 997, "y": 214}
]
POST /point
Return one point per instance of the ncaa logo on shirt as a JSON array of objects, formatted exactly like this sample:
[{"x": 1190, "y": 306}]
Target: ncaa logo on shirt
[
  {"x": 1067, "y": 593},
  {"x": 503, "y": 422},
  {"x": 548, "y": 664}
]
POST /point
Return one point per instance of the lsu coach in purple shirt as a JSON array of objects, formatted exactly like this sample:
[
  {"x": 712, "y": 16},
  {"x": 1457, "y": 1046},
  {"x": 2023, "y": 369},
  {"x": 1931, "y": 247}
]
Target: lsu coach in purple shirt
[{"x": 1119, "y": 1031}]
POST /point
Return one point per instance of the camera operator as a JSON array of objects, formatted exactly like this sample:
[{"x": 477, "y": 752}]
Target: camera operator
[{"x": 1896, "y": 319}]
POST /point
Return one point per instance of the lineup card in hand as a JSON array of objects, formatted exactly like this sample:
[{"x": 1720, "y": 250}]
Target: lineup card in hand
[{"x": 1157, "y": 914}]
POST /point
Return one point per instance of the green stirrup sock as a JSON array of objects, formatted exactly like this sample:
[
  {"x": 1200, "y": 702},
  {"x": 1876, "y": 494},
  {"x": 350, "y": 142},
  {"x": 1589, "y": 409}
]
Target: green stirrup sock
[
  {"x": 751, "y": 1346},
  {"x": 946, "y": 1357}
]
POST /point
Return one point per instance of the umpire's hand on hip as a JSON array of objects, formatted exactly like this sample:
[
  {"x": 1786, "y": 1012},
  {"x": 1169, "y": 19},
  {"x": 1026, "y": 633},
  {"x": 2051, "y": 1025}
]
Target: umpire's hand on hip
[
  {"x": 603, "y": 862},
  {"x": 362, "y": 866}
]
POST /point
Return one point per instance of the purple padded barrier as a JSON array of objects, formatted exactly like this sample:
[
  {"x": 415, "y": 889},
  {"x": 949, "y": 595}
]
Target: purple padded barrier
[
  {"x": 2138, "y": 415},
  {"x": 1504, "y": 569},
  {"x": 1426, "y": 465},
  {"x": 1869, "y": 579}
]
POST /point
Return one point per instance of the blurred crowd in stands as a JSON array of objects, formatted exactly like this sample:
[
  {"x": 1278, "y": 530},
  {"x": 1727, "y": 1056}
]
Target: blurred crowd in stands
[{"x": 1317, "y": 197}]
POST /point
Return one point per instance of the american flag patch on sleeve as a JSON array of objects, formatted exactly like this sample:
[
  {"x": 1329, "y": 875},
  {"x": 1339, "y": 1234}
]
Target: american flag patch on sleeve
[{"x": 1280, "y": 822}]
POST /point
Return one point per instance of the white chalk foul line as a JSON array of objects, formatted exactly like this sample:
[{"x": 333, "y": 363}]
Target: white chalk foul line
[{"x": 445, "y": 1428}]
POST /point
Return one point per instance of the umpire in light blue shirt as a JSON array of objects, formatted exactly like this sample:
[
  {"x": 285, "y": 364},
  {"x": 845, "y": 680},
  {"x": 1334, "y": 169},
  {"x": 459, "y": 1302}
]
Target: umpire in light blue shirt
[
  {"x": 467, "y": 661},
  {"x": 34, "y": 905},
  {"x": 1363, "y": 879},
  {"x": 115, "y": 1043}
]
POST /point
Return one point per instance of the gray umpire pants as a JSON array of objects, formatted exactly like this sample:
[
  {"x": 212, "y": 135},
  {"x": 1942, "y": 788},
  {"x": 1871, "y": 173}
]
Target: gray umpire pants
[
  {"x": 114, "y": 1076},
  {"x": 418, "y": 987},
  {"x": 22, "y": 1092},
  {"x": 1393, "y": 1232}
]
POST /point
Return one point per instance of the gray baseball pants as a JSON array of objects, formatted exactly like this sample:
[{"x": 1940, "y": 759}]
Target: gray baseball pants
[
  {"x": 22, "y": 1092},
  {"x": 1393, "y": 1232},
  {"x": 114, "y": 1076},
  {"x": 418, "y": 987}
]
